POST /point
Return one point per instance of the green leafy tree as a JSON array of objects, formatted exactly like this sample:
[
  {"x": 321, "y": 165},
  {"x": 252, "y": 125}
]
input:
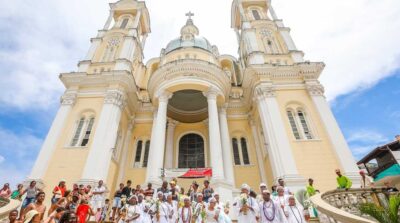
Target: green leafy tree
[{"x": 381, "y": 214}]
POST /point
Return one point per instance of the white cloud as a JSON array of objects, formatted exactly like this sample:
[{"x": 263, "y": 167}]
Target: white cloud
[
  {"x": 356, "y": 39},
  {"x": 367, "y": 136},
  {"x": 1, "y": 159}
]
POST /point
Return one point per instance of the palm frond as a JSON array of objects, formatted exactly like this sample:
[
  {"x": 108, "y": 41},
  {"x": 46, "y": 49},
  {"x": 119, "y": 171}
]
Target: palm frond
[{"x": 374, "y": 211}]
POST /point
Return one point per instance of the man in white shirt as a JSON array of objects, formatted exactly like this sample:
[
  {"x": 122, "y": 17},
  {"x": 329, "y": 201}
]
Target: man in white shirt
[
  {"x": 99, "y": 196},
  {"x": 263, "y": 187},
  {"x": 294, "y": 212},
  {"x": 270, "y": 210},
  {"x": 281, "y": 183},
  {"x": 246, "y": 213}
]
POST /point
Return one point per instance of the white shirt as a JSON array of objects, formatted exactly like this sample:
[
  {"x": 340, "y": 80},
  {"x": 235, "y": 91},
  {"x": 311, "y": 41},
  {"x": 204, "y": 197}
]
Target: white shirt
[
  {"x": 271, "y": 212},
  {"x": 250, "y": 216},
  {"x": 132, "y": 210},
  {"x": 295, "y": 214},
  {"x": 99, "y": 197},
  {"x": 186, "y": 216}
]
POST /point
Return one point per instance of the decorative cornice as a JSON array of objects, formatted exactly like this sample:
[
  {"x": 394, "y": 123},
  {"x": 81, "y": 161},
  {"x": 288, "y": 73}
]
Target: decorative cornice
[
  {"x": 315, "y": 89},
  {"x": 116, "y": 98},
  {"x": 211, "y": 94},
  {"x": 164, "y": 96},
  {"x": 68, "y": 99}
]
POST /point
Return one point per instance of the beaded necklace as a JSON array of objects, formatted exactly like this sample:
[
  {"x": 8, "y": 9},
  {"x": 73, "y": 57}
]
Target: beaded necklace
[
  {"x": 265, "y": 211},
  {"x": 189, "y": 216},
  {"x": 301, "y": 220}
]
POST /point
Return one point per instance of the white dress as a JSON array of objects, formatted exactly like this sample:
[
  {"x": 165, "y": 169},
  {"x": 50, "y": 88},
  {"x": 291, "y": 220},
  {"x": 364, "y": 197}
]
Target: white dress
[
  {"x": 132, "y": 210},
  {"x": 282, "y": 200},
  {"x": 145, "y": 216},
  {"x": 172, "y": 211},
  {"x": 250, "y": 217},
  {"x": 223, "y": 218},
  {"x": 295, "y": 214},
  {"x": 163, "y": 211},
  {"x": 211, "y": 214},
  {"x": 185, "y": 216},
  {"x": 271, "y": 212},
  {"x": 197, "y": 211}
]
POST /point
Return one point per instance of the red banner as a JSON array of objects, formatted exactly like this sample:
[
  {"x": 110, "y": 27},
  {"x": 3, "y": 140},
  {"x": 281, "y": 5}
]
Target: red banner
[{"x": 198, "y": 173}]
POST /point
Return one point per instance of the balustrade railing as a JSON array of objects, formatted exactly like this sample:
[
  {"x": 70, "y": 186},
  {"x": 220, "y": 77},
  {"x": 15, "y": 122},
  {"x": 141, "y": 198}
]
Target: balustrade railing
[
  {"x": 6, "y": 206},
  {"x": 343, "y": 205}
]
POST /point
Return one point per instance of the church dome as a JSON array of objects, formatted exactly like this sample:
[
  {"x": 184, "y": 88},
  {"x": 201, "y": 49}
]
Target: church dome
[
  {"x": 190, "y": 39},
  {"x": 196, "y": 42}
]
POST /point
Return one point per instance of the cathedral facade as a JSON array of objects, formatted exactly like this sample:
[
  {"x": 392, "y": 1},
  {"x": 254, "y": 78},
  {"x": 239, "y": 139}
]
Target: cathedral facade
[{"x": 251, "y": 119}]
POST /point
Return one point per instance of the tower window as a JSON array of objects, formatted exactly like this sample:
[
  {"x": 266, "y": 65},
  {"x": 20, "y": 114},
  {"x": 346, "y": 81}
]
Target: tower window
[
  {"x": 85, "y": 139},
  {"x": 146, "y": 153},
  {"x": 293, "y": 124},
  {"x": 124, "y": 23},
  {"x": 240, "y": 151},
  {"x": 77, "y": 134},
  {"x": 138, "y": 152},
  {"x": 304, "y": 125},
  {"x": 256, "y": 14}
]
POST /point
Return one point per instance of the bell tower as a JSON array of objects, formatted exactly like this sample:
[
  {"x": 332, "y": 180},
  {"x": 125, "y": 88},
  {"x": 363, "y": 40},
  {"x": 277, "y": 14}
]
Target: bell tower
[
  {"x": 119, "y": 45},
  {"x": 262, "y": 37}
]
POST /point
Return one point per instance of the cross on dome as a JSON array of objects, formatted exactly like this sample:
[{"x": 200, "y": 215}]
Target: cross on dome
[{"x": 189, "y": 14}]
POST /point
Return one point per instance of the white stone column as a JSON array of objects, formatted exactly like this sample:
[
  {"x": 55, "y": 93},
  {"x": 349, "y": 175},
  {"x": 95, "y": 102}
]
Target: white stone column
[
  {"x": 260, "y": 157},
  {"x": 340, "y": 146},
  {"x": 109, "y": 20},
  {"x": 169, "y": 148},
  {"x": 215, "y": 136},
  {"x": 157, "y": 145},
  {"x": 124, "y": 154},
  {"x": 280, "y": 154},
  {"x": 49, "y": 145},
  {"x": 226, "y": 147},
  {"x": 99, "y": 158}
]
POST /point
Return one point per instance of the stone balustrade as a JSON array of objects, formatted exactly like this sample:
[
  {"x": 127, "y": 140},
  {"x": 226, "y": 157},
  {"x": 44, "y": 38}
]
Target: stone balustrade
[{"x": 343, "y": 205}]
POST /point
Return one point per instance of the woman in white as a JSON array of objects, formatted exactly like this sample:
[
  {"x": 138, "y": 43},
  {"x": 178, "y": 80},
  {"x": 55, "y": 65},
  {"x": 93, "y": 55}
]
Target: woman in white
[
  {"x": 199, "y": 207},
  {"x": 185, "y": 213},
  {"x": 294, "y": 212},
  {"x": 270, "y": 210},
  {"x": 172, "y": 209},
  {"x": 224, "y": 210},
  {"x": 134, "y": 211},
  {"x": 212, "y": 212},
  {"x": 145, "y": 208},
  {"x": 281, "y": 198},
  {"x": 246, "y": 213},
  {"x": 159, "y": 209}
]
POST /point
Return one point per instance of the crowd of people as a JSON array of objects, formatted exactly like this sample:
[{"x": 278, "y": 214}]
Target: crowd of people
[{"x": 168, "y": 204}]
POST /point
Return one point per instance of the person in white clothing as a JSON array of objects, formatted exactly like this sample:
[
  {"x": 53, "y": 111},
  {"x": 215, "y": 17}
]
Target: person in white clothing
[
  {"x": 263, "y": 187},
  {"x": 281, "y": 198},
  {"x": 144, "y": 207},
  {"x": 172, "y": 209},
  {"x": 224, "y": 210},
  {"x": 270, "y": 210},
  {"x": 281, "y": 183},
  {"x": 159, "y": 209},
  {"x": 212, "y": 212},
  {"x": 133, "y": 210},
  {"x": 199, "y": 208},
  {"x": 294, "y": 212},
  {"x": 185, "y": 214},
  {"x": 246, "y": 207},
  {"x": 98, "y": 198}
]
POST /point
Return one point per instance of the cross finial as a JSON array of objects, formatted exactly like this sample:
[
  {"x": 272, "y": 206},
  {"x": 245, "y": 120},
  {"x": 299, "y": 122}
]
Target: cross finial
[{"x": 189, "y": 14}]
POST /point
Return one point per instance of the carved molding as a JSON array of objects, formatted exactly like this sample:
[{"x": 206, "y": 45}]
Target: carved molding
[
  {"x": 315, "y": 89},
  {"x": 116, "y": 98},
  {"x": 68, "y": 99},
  {"x": 264, "y": 92}
]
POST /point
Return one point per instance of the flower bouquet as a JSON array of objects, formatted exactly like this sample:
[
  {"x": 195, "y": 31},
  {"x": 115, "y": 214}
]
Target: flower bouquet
[
  {"x": 158, "y": 204},
  {"x": 243, "y": 202},
  {"x": 203, "y": 214}
]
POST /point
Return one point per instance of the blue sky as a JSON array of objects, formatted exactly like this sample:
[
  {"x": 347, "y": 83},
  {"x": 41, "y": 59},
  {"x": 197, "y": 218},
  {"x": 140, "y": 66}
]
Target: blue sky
[{"x": 358, "y": 40}]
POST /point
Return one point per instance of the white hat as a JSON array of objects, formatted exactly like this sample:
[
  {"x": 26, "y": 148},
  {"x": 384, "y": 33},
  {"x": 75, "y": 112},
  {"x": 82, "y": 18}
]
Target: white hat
[
  {"x": 263, "y": 185},
  {"x": 30, "y": 215},
  {"x": 245, "y": 186}
]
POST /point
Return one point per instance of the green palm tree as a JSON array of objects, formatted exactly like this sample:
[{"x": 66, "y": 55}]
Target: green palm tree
[{"x": 383, "y": 215}]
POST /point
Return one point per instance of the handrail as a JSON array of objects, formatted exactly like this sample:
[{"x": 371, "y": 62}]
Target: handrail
[
  {"x": 10, "y": 204},
  {"x": 336, "y": 213}
]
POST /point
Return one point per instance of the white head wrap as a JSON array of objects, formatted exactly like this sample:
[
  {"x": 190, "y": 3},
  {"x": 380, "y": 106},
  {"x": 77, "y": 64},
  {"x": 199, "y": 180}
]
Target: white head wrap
[{"x": 246, "y": 187}]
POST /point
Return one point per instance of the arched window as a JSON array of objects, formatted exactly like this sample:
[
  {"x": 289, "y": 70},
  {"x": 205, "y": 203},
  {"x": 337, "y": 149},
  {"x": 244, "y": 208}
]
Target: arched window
[
  {"x": 191, "y": 151},
  {"x": 293, "y": 124},
  {"x": 236, "y": 155},
  {"x": 86, "y": 137},
  {"x": 142, "y": 153},
  {"x": 240, "y": 151},
  {"x": 124, "y": 23},
  {"x": 78, "y": 131},
  {"x": 245, "y": 154},
  {"x": 304, "y": 124},
  {"x": 256, "y": 14}
]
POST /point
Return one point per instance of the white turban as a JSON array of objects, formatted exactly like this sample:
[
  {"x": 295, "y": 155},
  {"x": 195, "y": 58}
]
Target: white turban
[{"x": 246, "y": 187}]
